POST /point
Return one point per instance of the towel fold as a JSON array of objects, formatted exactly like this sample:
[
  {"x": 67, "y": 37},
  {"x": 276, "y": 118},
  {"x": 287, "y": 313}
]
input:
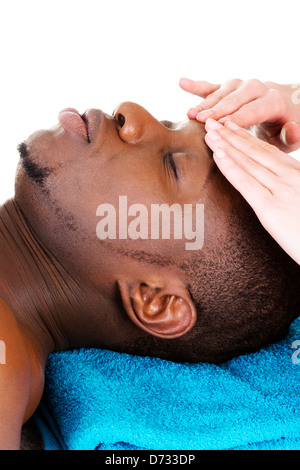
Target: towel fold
[{"x": 104, "y": 400}]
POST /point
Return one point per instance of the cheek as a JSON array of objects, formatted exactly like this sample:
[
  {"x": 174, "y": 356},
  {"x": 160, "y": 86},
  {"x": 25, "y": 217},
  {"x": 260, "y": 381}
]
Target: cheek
[{"x": 79, "y": 189}]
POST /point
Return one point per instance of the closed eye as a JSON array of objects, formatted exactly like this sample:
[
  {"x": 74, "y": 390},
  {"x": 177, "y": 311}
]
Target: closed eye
[
  {"x": 167, "y": 124},
  {"x": 170, "y": 162}
]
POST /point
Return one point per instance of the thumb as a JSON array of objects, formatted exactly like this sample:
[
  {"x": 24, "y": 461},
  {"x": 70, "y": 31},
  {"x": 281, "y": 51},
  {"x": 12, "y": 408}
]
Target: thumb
[
  {"x": 290, "y": 133},
  {"x": 199, "y": 88}
]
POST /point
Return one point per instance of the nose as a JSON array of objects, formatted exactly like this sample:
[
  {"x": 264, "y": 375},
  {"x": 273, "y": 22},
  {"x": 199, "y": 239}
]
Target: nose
[{"x": 136, "y": 124}]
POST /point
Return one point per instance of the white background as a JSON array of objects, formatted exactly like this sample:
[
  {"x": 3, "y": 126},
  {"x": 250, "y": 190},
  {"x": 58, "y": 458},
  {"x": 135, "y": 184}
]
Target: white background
[{"x": 89, "y": 53}]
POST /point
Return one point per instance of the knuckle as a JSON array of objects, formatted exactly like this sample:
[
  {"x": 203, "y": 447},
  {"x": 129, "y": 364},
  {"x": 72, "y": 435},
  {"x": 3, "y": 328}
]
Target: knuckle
[
  {"x": 234, "y": 99},
  {"x": 214, "y": 94},
  {"x": 274, "y": 92},
  {"x": 238, "y": 178},
  {"x": 236, "y": 82},
  {"x": 278, "y": 99},
  {"x": 253, "y": 148},
  {"x": 255, "y": 83},
  {"x": 267, "y": 147},
  {"x": 232, "y": 172},
  {"x": 212, "y": 99}
]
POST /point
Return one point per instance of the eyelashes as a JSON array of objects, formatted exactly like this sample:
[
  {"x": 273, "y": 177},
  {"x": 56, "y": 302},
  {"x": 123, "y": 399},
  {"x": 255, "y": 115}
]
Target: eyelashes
[{"x": 169, "y": 162}]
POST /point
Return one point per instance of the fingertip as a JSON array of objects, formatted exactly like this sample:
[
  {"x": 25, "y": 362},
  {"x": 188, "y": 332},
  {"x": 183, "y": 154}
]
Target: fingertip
[
  {"x": 201, "y": 118},
  {"x": 192, "y": 113},
  {"x": 204, "y": 115},
  {"x": 295, "y": 132},
  {"x": 290, "y": 133},
  {"x": 212, "y": 124},
  {"x": 184, "y": 82},
  {"x": 224, "y": 119}
]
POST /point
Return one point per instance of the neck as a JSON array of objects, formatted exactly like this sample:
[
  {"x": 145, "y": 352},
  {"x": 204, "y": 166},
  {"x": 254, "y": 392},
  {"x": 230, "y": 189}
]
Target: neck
[{"x": 56, "y": 309}]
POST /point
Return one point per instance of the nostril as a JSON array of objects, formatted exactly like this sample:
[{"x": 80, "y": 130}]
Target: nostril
[
  {"x": 121, "y": 119},
  {"x": 130, "y": 122}
]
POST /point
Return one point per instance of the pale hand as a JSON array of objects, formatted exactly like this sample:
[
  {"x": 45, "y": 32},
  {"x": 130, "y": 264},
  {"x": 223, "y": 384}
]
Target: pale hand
[
  {"x": 267, "y": 178},
  {"x": 273, "y": 109}
]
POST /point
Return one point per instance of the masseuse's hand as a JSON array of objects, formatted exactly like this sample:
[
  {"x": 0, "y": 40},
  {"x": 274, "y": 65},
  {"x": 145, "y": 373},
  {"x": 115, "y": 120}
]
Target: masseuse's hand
[
  {"x": 268, "y": 178},
  {"x": 274, "y": 109}
]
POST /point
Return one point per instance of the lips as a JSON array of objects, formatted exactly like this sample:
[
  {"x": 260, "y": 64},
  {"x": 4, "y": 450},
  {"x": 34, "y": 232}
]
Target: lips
[
  {"x": 83, "y": 126},
  {"x": 71, "y": 121}
]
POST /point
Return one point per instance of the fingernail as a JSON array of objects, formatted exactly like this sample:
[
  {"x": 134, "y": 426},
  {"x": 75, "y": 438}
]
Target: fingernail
[
  {"x": 204, "y": 115},
  {"x": 232, "y": 125},
  {"x": 212, "y": 135},
  {"x": 219, "y": 153},
  {"x": 224, "y": 119},
  {"x": 192, "y": 113},
  {"x": 212, "y": 124},
  {"x": 283, "y": 136}
]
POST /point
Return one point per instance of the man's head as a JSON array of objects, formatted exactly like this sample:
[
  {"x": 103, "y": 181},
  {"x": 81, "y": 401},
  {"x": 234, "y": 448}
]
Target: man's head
[{"x": 236, "y": 293}]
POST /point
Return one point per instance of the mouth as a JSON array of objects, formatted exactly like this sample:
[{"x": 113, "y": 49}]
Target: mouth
[
  {"x": 86, "y": 123},
  {"x": 83, "y": 126}
]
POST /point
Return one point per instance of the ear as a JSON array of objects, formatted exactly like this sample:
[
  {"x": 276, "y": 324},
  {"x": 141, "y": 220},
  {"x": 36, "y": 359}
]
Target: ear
[{"x": 157, "y": 311}]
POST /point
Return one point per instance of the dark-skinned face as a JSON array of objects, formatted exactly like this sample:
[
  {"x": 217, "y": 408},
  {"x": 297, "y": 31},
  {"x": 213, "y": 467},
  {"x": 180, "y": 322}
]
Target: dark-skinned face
[
  {"x": 130, "y": 153},
  {"x": 96, "y": 158}
]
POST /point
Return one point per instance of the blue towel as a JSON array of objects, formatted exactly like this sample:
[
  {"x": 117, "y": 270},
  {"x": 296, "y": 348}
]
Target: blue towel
[{"x": 98, "y": 399}]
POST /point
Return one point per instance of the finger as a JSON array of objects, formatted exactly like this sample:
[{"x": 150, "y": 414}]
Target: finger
[
  {"x": 275, "y": 217},
  {"x": 270, "y": 156},
  {"x": 235, "y": 99},
  {"x": 192, "y": 113},
  {"x": 258, "y": 172},
  {"x": 270, "y": 107},
  {"x": 256, "y": 194},
  {"x": 199, "y": 88},
  {"x": 261, "y": 152},
  {"x": 216, "y": 97},
  {"x": 290, "y": 133}
]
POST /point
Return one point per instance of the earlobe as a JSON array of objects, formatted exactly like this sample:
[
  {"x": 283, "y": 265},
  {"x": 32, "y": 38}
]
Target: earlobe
[{"x": 157, "y": 312}]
